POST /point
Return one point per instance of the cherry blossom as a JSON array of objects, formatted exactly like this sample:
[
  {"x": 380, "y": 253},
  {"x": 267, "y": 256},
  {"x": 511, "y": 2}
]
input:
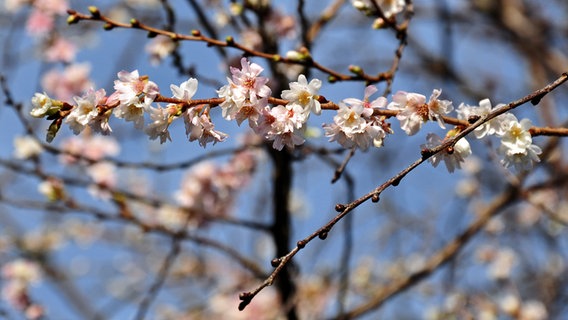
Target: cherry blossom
[
  {"x": 452, "y": 157},
  {"x": 438, "y": 108},
  {"x": 135, "y": 93},
  {"x": 161, "y": 118},
  {"x": 368, "y": 107},
  {"x": 491, "y": 127},
  {"x": 60, "y": 49},
  {"x": 159, "y": 48},
  {"x": 39, "y": 22},
  {"x": 409, "y": 106},
  {"x": 389, "y": 7},
  {"x": 42, "y": 106},
  {"x": 516, "y": 146},
  {"x": 104, "y": 177},
  {"x": 281, "y": 125},
  {"x": 199, "y": 127},
  {"x": 245, "y": 95},
  {"x": 19, "y": 275},
  {"x": 85, "y": 111},
  {"x": 186, "y": 90},
  {"x": 26, "y": 147},
  {"x": 305, "y": 94},
  {"x": 247, "y": 79},
  {"x": 414, "y": 111},
  {"x": 355, "y": 124},
  {"x": 72, "y": 81}
]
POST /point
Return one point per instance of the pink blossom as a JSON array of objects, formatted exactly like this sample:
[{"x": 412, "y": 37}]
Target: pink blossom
[
  {"x": 39, "y": 22},
  {"x": 248, "y": 80},
  {"x": 60, "y": 50},
  {"x": 245, "y": 95},
  {"x": 135, "y": 94},
  {"x": 282, "y": 125},
  {"x": 368, "y": 106},
  {"x": 199, "y": 127},
  {"x": 55, "y": 7},
  {"x": 73, "y": 81}
]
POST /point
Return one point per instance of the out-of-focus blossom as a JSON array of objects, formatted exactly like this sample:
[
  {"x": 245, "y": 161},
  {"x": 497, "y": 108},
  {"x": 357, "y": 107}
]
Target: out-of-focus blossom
[
  {"x": 18, "y": 276},
  {"x": 55, "y": 7},
  {"x": 284, "y": 26},
  {"x": 510, "y": 304},
  {"x": 160, "y": 48},
  {"x": 210, "y": 189},
  {"x": 14, "y": 5},
  {"x": 173, "y": 218},
  {"x": 533, "y": 310},
  {"x": 502, "y": 264},
  {"x": 250, "y": 38},
  {"x": 72, "y": 81},
  {"x": 60, "y": 49},
  {"x": 39, "y": 23},
  {"x": 26, "y": 147},
  {"x": 42, "y": 240},
  {"x": 93, "y": 148},
  {"x": 389, "y": 7},
  {"x": 104, "y": 177},
  {"x": 52, "y": 188},
  {"x": 23, "y": 271}
]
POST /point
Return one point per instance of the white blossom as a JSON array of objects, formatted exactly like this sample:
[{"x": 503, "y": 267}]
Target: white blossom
[
  {"x": 452, "y": 157},
  {"x": 305, "y": 94},
  {"x": 26, "y": 147}
]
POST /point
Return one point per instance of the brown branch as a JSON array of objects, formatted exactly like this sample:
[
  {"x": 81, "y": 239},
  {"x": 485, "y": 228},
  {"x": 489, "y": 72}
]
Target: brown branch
[{"x": 109, "y": 24}]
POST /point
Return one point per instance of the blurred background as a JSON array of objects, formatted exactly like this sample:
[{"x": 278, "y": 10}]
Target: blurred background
[{"x": 122, "y": 227}]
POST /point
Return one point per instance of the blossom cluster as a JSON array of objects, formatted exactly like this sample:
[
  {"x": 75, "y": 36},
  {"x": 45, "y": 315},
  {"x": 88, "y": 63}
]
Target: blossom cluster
[
  {"x": 516, "y": 147},
  {"x": 357, "y": 125},
  {"x": 247, "y": 97},
  {"x": 19, "y": 275}
]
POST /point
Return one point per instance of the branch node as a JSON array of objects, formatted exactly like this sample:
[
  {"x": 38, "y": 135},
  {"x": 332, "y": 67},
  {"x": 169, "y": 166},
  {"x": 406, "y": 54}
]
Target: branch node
[
  {"x": 246, "y": 298},
  {"x": 375, "y": 198},
  {"x": 339, "y": 207},
  {"x": 275, "y": 262}
]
